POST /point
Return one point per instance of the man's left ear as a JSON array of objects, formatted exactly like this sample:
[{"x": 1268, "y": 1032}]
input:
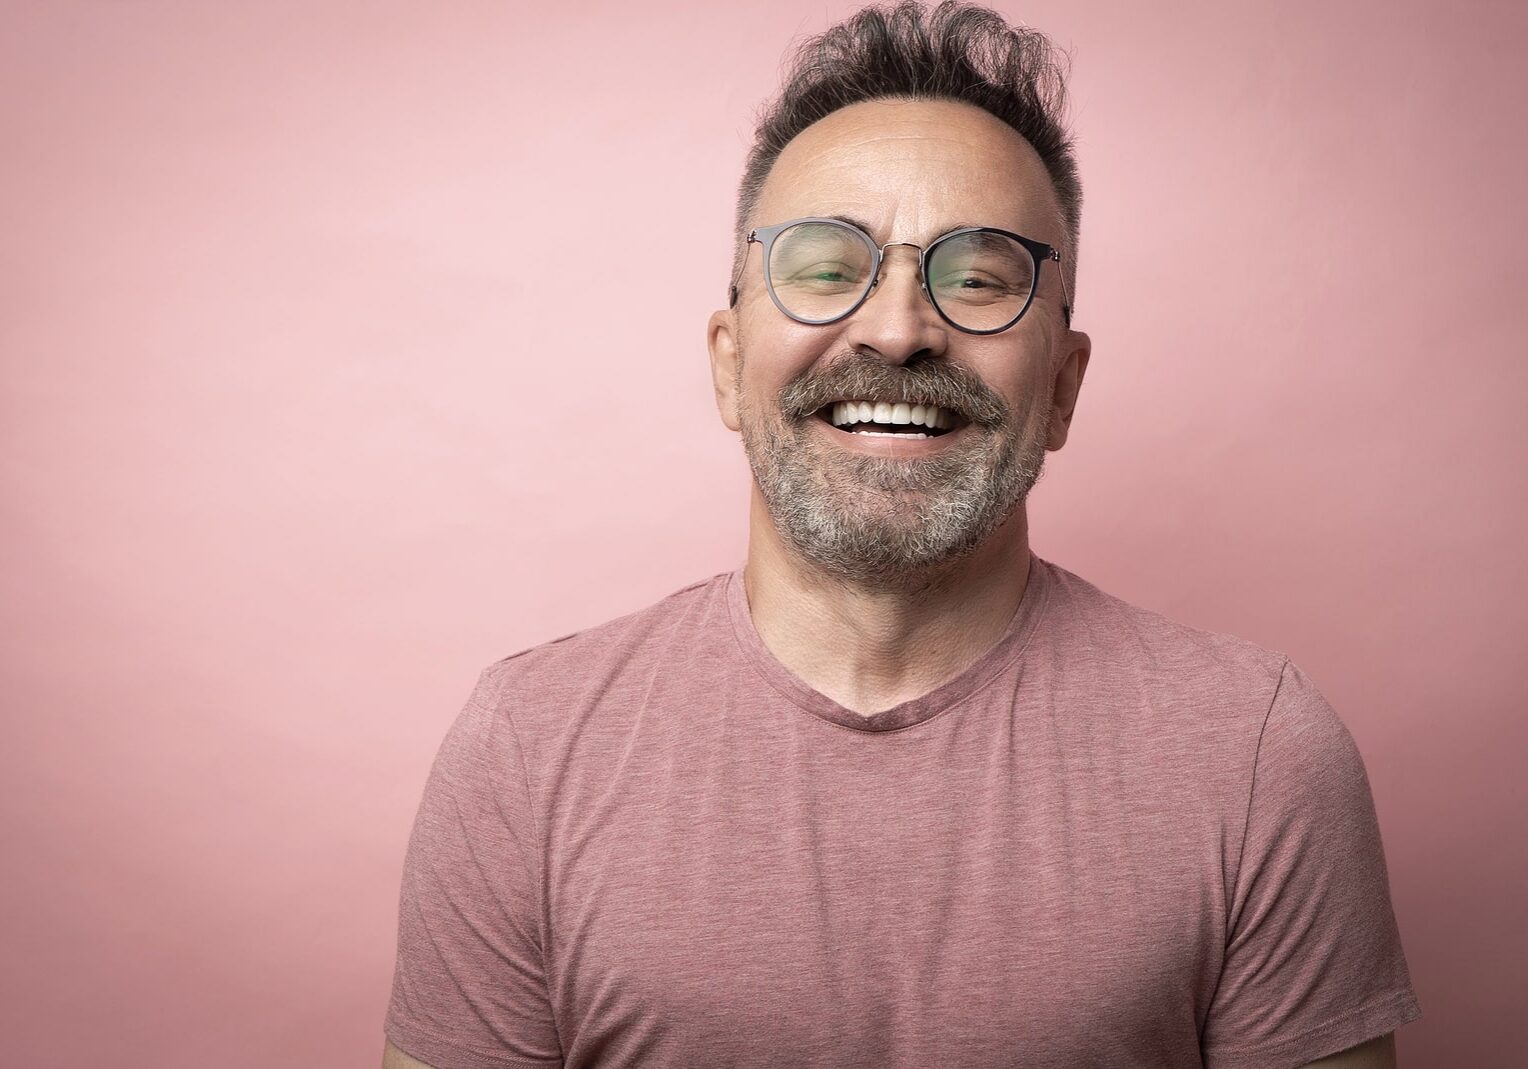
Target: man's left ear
[
  {"x": 721, "y": 340},
  {"x": 1078, "y": 346}
]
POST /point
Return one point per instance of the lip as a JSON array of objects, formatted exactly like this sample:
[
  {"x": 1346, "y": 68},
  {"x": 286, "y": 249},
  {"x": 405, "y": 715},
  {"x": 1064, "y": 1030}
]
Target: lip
[{"x": 876, "y": 446}]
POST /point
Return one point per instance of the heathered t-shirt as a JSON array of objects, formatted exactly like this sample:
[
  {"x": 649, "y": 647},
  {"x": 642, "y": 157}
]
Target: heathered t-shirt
[{"x": 1113, "y": 841}]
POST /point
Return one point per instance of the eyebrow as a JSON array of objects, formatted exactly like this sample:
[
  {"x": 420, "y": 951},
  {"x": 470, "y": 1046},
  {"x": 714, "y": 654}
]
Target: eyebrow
[{"x": 867, "y": 229}]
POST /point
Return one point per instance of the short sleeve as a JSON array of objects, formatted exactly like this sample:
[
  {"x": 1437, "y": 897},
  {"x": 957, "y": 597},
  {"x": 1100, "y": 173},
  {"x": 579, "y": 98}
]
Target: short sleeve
[
  {"x": 469, "y": 986},
  {"x": 1313, "y": 961}
]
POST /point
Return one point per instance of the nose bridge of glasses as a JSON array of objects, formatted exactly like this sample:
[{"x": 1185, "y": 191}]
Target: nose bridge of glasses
[{"x": 882, "y": 266}]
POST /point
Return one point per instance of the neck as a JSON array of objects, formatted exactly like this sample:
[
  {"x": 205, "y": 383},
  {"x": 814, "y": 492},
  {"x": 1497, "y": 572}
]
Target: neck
[{"x": 870, "y": 648}]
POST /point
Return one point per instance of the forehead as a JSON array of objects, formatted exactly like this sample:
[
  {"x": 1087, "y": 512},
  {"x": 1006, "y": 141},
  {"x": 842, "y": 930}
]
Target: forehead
[{"x": 913, "y": 169}]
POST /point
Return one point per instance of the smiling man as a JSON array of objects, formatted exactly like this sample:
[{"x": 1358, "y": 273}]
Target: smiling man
[{"x": 899, "y": 792}]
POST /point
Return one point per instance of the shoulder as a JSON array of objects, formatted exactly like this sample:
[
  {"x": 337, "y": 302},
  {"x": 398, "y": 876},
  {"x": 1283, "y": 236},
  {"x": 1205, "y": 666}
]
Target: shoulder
[
  {"x": 620, "y": 637},
  {"x": 1099, "y": 637},
  {"x": 573, "y": 670}
]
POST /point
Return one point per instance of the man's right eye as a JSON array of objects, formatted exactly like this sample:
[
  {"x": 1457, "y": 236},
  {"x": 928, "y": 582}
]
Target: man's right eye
[{"x": 824, "y": 273}]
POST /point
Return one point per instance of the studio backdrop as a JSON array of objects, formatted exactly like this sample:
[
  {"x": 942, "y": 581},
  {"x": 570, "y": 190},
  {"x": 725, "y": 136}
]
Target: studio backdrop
[{"x": 350, "y": 347}]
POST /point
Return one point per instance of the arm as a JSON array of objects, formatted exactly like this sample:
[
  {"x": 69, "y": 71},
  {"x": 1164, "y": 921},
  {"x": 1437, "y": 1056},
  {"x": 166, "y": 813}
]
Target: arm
[
  {"x": 1313, "y": 961},
  {"x": 469, "y": 986},
  {"x": 393, "y": 1058},
  {"x": 1377, "y": 1053}
]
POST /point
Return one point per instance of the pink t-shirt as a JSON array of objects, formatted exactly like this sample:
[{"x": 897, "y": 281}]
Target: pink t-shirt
[{"x": 1114, "y": 840}]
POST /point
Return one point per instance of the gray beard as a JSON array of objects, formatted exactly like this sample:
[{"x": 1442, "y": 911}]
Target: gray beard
[{"x": 881, "y": 522}]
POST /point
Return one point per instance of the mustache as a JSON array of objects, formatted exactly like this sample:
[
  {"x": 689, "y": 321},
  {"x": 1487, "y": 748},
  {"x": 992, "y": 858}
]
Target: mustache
[{"x": 855, "y": 375}]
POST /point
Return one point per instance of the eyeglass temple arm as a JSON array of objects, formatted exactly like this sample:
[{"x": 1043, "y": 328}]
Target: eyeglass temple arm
[
  {"x": 737, "y": 275},
  {"x": 1066, "y": 298}
]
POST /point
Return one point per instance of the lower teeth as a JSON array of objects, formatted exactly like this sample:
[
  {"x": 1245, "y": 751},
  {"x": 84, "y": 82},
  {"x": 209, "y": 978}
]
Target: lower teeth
[{"x": 892, "y": 434}]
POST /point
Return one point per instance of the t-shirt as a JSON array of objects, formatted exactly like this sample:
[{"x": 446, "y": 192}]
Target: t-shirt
[{"x": 1113, "y": 840}]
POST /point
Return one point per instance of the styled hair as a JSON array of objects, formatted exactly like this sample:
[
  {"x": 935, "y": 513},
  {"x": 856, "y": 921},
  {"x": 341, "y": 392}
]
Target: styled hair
[{"x": 955, "y": 51}]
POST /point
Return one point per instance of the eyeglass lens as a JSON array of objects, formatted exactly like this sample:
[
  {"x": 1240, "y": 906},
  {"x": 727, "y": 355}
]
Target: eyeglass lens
[{"x": 980, "y": 281}]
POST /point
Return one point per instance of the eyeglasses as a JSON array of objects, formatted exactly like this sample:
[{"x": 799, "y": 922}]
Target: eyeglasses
[{"x": 981, "y": 280}]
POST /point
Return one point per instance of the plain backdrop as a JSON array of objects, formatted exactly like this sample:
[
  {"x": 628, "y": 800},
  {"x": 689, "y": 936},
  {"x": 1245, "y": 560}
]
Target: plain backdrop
[{"x": 310, "y": 412}]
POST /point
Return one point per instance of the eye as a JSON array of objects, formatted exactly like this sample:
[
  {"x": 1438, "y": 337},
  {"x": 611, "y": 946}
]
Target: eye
[
  {"x": 825, "y": 273},
  {"x": 968, "y": 282}
]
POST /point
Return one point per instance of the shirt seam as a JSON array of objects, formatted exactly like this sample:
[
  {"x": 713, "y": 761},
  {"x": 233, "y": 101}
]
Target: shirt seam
[
  {"x": 1257, "y": 753},
  {"x": 1396, "y": 995},
  {"x": 399, "y": 1017},
  {"x": 542, "y": 873}
]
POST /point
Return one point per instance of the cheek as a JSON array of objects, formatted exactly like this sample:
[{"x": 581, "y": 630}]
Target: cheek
[
  {"x": 773, "y": 352},
  {"x": 1018, "y": 371}
]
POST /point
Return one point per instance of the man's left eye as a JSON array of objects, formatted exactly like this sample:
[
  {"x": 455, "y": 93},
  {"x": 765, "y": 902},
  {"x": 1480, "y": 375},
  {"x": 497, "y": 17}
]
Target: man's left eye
[{"x": 968, "y": 282}]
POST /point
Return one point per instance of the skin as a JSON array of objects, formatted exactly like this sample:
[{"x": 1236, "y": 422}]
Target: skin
[
  {"x": 1377, "y": 1053},
  {"x": 912, "y": 170}
]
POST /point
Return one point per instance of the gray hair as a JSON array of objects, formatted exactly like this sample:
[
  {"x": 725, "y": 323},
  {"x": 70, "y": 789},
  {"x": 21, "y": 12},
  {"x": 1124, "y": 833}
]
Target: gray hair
[{"x": 956, "y": 51}]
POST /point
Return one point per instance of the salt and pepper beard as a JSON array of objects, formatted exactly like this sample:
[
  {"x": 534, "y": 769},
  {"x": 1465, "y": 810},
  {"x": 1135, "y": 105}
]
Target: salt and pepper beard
[{"x": 886, "y": 522}]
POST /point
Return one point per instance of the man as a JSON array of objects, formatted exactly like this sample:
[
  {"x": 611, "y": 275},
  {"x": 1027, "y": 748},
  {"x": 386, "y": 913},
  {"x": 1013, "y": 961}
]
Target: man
[{"x": 899, "y": 792}]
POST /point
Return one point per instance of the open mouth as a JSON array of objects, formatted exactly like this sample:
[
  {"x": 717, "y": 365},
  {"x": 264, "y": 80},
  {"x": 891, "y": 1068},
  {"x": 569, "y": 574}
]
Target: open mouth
[{"x": 894, "y": 419}]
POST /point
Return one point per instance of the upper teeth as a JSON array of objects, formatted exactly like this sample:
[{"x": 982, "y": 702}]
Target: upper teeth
[{"x": 845, "y": 412}]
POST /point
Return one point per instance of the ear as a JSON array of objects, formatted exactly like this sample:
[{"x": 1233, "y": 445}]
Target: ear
[
  {"x": 1078, "y": 346},
  {"x": 721, "y": 340}
]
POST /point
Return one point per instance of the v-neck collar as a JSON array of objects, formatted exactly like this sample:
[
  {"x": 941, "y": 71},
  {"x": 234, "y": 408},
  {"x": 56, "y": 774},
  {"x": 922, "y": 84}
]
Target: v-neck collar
[{"x": 916, "y": 710}]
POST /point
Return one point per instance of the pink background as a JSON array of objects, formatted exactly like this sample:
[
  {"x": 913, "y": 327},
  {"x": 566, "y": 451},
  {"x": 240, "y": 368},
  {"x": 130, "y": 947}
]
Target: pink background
[{"x": 307, "y": 417}]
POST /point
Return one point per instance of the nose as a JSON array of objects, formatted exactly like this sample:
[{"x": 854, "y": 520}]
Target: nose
[{"x": 897, "y": 322}]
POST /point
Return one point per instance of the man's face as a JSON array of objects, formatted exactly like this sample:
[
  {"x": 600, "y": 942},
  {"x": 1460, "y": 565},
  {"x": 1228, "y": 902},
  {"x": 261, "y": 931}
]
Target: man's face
[{"x": 890, "y": 508}]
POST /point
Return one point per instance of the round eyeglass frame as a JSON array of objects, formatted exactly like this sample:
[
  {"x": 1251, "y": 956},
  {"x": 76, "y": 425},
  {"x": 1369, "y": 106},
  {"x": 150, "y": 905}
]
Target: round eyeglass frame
[{"x": 1039, "y": 252}]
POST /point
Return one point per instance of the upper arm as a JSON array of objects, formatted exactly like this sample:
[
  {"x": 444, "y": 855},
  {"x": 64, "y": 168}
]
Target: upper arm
[
  {"x": 1312, "y": 960},
  {"x": 1377, "y": 1053},
  {"x": 470, "y": 980},
  {"x": 393, "y": 1058}
]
